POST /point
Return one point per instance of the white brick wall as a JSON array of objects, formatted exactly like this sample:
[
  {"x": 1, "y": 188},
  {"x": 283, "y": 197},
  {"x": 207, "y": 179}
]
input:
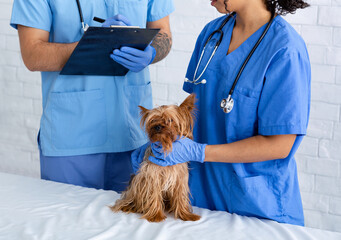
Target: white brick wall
[{"x": 319, "y": 158}]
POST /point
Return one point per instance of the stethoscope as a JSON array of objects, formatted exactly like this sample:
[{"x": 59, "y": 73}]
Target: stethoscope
[
  {"x": 84, "y": 25},
  {"x": 227, "y": 103}
]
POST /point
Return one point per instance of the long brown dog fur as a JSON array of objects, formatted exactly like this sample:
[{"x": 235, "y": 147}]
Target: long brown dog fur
[{"x": 156, "y": 190}]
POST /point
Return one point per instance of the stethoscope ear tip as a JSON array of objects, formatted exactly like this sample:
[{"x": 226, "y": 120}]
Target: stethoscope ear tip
[
  {"x": 194, "y": 82},
  {"x": 85, "y": 27}
]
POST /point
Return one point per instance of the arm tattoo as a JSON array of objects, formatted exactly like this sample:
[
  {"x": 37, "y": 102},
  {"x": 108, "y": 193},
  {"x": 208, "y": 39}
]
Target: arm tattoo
[{"x": 162, "y": 44}]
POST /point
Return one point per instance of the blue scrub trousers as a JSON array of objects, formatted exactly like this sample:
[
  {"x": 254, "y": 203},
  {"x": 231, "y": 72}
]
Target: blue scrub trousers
[{"x": 108, "y": 171}]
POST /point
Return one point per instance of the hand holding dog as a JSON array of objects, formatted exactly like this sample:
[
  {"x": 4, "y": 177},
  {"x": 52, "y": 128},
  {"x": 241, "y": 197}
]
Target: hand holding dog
[
  {"x": 137, "y": 156},
  {"x": 184, "y": 150}
]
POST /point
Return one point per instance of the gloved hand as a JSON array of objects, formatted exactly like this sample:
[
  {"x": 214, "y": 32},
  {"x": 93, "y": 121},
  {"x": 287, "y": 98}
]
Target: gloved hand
[
  {"x": 117, "y": 20},
  {"x": 134, "y": 59},
  {"x": 184, "y": 150},
  {"x": 137, "y": 157}
]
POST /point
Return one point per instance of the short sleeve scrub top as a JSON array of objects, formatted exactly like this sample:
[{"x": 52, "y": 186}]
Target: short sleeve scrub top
[{"x": 272, "y": 97}]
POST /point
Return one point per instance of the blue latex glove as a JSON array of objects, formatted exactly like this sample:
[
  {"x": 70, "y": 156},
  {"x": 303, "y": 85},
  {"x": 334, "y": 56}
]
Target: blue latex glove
[
  {"x": 134, "y": 59},
  {"x": 117, "y": 20},
  {"x": 137, "y": 157},
  {"x": 184, "y": 150}
]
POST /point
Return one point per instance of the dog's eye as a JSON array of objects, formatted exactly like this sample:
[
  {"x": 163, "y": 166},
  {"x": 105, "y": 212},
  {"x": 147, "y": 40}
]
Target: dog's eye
[{"x": 170, "y": 120}]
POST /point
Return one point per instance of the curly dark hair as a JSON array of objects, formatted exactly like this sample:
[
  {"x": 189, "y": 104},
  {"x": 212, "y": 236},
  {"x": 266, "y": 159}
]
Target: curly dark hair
[{"x": 283, "y": 7}]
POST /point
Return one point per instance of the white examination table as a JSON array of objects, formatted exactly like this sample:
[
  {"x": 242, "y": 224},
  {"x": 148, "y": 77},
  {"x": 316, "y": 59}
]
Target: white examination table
[{"x": 36, "y": 209}]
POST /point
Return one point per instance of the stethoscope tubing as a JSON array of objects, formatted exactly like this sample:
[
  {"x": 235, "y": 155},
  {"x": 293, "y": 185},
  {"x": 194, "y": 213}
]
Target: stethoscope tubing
[
  {"x": 195, "y": 78},
  {"x": 195, "y": 81},
  {"x": 84, "y": 26},
  {"x": 251, "y": 53},
  {"x": 227, "y": 103}
]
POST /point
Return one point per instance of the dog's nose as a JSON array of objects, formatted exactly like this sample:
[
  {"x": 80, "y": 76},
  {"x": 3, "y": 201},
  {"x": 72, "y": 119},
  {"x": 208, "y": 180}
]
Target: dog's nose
[{"x": 158, "y": 128}]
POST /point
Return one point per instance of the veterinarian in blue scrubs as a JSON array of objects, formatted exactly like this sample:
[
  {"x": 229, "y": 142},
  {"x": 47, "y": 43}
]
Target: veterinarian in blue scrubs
[
  {"x": 90, "y": 124},
  {"x": 243, "y": 161}
]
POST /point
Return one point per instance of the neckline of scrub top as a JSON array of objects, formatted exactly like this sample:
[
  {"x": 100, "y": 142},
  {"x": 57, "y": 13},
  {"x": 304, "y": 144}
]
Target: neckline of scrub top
[{"x": 246, "y": 45}]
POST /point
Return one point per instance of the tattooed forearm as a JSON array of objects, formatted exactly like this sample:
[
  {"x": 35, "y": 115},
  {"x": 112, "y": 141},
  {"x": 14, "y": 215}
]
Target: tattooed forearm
[{"x": 162, "y": 44}]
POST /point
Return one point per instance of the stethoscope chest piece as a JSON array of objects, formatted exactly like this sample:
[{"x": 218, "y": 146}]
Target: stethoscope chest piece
[{"x": 227, "y": 104}]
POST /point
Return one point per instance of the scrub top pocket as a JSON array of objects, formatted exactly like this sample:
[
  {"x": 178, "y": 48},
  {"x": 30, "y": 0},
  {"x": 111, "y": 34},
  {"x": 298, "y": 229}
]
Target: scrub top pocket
[
  {"x": 254, "y": 196},
  {"x": 137, "y": 95},
  {"x": 241, "y": 122},
  {"x": 78, "y": 119}
]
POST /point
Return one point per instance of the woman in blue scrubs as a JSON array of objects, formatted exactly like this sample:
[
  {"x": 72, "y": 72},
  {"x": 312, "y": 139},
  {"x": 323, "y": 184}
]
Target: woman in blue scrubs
[{"x": 243, "y": 162}]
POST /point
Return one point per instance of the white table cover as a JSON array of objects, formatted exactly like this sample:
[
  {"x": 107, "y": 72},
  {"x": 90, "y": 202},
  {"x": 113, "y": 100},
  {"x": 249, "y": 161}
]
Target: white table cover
[{"x": 36, "y": 209}]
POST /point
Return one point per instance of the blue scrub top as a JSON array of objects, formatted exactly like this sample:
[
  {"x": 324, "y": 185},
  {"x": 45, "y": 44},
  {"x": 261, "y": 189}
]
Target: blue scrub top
[
  {"x": 272, "y": 97},
  {"x": 89, "y": 114}
]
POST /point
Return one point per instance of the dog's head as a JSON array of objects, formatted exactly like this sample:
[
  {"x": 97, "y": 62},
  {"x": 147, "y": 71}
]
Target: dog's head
[{"x": 166, "y": 123}]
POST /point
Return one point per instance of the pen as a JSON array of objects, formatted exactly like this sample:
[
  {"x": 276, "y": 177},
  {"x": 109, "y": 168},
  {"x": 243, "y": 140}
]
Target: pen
[{"x": 100, "y": 20}]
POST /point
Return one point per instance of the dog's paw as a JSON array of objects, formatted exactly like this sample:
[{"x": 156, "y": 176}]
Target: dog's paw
[
  {"x": 189, "y": 217},
  {"x": 159, "y": 217}
]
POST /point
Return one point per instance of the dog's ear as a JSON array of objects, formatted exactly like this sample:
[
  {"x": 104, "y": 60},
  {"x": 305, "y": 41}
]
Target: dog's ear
[
  {"x": 143, "y": 110},
  {"x": 189, "y": 102},
  {"x": 144, "y": 113},
  {"x": 188, "y": 112}
]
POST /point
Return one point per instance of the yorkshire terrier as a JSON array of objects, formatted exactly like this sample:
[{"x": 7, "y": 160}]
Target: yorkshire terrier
[{"x": 156, "y": 190}]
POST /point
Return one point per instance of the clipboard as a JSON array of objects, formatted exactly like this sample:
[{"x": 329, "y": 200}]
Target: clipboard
[{"x": 92, "y": 54}]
